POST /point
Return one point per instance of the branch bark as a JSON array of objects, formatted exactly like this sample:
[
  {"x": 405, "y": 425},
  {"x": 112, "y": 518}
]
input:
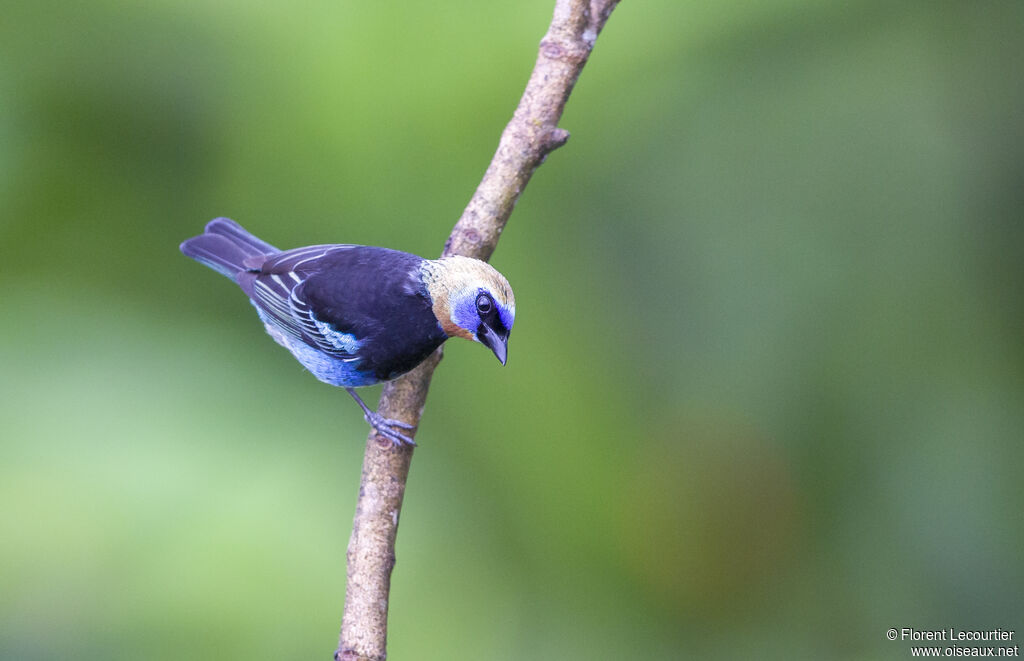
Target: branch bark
[{"x": 528, "y": 138}]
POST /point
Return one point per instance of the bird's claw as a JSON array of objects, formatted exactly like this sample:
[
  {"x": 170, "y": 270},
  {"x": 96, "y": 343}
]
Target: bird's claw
[{"x": 384, "y": 427}]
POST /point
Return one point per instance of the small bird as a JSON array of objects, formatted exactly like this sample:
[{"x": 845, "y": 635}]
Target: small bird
[{"x": 354, "y": 315}]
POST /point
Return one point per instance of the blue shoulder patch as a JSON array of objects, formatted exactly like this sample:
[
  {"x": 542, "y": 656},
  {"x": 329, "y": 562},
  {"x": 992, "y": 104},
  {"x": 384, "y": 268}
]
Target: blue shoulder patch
[{"x": 345, "y": 342}]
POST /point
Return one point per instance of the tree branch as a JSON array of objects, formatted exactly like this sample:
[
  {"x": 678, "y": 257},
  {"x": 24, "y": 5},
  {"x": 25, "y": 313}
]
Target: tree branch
[{"x": 530, "y": 136}]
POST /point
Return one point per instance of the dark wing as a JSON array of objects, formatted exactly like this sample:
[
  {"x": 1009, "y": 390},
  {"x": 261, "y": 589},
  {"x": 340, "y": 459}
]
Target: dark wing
[
  {"x": 351, "y": 302},
  {"x": 376, "y": 296},
  {"x": 276, "y": 285}
]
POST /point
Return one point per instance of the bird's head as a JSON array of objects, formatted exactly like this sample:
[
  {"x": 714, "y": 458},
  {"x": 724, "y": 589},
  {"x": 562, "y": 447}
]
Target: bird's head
[{"x": 471, "y": 300}]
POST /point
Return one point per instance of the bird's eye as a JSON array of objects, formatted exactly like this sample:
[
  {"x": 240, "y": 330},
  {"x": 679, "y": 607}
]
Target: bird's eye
[{"x": 483, "y": 303}]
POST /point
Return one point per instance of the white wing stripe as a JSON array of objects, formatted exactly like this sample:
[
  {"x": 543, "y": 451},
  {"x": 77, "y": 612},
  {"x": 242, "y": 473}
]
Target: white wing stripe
[
  {"x": 278, "y": 294},
  {"x": 309, "y": 259}
]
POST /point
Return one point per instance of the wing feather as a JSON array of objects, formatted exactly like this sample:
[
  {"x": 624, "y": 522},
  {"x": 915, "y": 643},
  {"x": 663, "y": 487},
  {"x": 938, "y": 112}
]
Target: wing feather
[{"x": 278, "y": 291}]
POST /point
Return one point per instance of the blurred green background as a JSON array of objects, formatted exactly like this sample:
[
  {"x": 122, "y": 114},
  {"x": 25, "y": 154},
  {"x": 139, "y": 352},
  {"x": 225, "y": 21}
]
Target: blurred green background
[{"x": 765, "y": 393}]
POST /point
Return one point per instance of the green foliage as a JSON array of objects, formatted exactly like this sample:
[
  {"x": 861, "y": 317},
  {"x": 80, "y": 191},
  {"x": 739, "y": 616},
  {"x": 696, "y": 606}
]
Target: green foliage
[{"x": 764, "y": 395}]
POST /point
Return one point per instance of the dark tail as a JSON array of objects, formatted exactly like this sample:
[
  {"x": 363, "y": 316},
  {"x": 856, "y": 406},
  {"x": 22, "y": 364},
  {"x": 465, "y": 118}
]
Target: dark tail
[{"x": 224, "y": 247}]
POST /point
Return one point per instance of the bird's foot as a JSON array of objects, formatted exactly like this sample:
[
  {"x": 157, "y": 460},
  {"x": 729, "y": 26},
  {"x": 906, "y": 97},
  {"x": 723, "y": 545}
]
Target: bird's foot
[{"x": 385, "y": 427}]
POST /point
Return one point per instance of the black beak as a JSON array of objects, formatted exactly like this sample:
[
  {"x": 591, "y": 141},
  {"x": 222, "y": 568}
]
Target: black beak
[{"x": 498, "y": 343}]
